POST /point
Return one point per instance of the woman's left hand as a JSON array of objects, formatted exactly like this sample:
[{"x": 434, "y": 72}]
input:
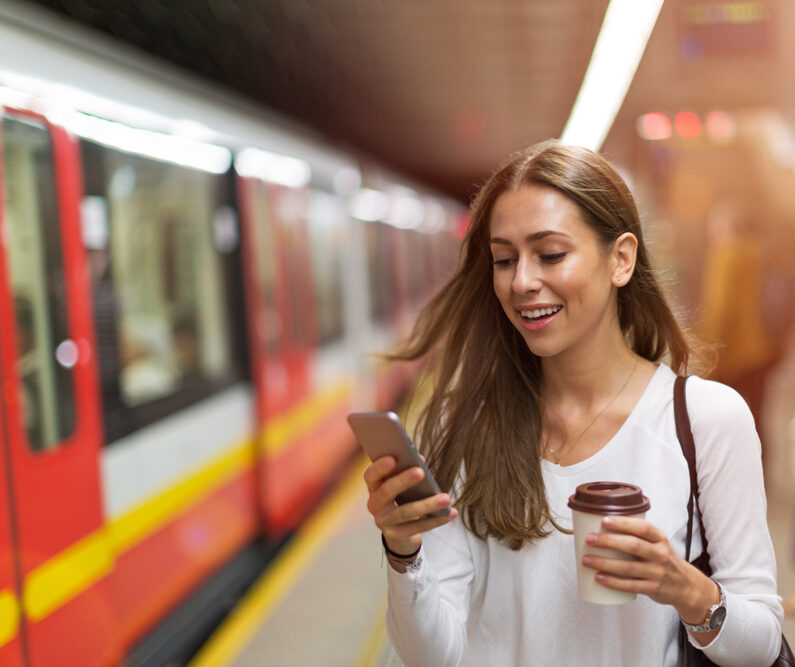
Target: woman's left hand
[{"x": 658, "y": 571}]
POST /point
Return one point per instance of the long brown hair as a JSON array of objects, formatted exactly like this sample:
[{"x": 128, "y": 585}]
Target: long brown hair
[{"x": 483, "y": 418}]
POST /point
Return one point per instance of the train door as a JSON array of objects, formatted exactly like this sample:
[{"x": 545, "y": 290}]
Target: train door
[
  {"x": 10, "y": 642},
  {"x": 282, "y": 331},
  {"x": 51, "y": 434}
]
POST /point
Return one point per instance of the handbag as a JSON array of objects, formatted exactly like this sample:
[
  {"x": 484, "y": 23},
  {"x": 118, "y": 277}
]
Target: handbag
[{"x": 690, "y": 655}]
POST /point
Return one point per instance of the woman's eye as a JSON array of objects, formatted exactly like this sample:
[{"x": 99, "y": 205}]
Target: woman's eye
[
  {"x": 502, "y": 263},
  {"x": 551, "y": 258}
]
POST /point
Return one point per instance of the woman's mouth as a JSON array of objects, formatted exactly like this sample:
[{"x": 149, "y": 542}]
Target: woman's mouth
[{"x": 538, "y": 318}]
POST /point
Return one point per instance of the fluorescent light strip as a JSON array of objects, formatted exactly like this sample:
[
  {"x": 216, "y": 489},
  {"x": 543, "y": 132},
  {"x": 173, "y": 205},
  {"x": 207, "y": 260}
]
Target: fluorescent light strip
[
  {"x": 154, "y": 145},
  {"x": 273, "y": 168},
  {"x": 85, "y": 114},
  {"x": 619, "y": 47}
]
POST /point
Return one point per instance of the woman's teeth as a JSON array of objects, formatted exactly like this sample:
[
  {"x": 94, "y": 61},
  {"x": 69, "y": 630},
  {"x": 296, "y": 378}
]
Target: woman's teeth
[{"x": 540, "y": 312}]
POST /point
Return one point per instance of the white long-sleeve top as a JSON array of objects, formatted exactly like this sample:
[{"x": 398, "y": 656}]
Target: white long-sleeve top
[{"x": 474, "y": 602}]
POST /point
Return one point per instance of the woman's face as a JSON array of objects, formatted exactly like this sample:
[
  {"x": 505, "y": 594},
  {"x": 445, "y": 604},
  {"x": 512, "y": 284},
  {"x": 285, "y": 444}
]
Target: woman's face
[{"x": 552, "y": 276}]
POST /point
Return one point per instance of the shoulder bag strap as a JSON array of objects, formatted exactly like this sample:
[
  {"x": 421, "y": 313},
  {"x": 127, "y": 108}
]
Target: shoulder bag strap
[{"x": 685, "y": 435}]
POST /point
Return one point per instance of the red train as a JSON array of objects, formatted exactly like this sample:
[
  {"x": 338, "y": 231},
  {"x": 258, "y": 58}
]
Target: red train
[{"x": 186, "y": 308}]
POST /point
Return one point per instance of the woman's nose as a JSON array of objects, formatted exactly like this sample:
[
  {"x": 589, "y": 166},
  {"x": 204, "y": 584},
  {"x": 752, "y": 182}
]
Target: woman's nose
[{"x": 526, "y": 278}]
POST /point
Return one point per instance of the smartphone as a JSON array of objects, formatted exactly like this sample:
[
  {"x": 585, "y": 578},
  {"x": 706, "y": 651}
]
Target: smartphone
[{"x": 382, "y": 434}]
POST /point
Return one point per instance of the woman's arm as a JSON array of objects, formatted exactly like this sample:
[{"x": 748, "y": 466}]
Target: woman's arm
[
  {"x": 428, "y": 593},
  {"x": 734, "y": 511},
  {"x": 428, "y": 605},
  {"x": 733, "y": 508}
]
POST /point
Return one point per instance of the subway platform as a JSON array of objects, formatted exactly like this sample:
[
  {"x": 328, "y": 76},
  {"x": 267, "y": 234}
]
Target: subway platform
[{"x": 323, "y": 600}]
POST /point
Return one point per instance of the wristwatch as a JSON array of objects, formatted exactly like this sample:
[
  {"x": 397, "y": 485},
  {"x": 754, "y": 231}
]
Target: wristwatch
[{"x": 715, "y": 616}]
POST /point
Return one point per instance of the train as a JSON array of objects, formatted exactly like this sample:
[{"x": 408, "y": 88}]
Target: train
[{"x": 192, "y": 295}]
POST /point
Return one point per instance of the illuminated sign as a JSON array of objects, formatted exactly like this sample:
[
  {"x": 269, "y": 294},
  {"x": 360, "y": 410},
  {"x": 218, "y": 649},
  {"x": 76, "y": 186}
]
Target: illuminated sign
[
  {"x": 722, "y": 27},
  {"x": 655, "y": 126}
]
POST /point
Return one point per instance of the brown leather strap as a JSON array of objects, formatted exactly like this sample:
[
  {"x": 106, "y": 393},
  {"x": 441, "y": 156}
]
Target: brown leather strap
[{"x": 685, "y": 435}]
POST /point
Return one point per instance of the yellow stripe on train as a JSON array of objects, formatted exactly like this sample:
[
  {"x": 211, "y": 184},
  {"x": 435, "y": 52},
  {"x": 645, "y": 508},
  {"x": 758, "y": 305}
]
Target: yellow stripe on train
[
  {"x": 67, "y": 574},
  {"x": 9, "y": 616},
  {"x": 78, "y": 567},
  {"x": 134, "y": 527},
  {"x": 282, "y": 431}
]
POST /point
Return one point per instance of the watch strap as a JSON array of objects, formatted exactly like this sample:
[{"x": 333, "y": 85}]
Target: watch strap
[{"x": 710, "y": 623}]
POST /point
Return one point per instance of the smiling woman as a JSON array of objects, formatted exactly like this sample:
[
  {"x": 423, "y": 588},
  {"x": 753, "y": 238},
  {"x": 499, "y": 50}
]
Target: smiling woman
[
  {"x": 564, "y": 254},
  {"x": 555, "y": 354}
]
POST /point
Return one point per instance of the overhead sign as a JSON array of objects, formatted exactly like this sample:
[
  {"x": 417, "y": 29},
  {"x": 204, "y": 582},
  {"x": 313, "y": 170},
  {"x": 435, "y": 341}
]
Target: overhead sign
[{"x": 723, "y": 27}]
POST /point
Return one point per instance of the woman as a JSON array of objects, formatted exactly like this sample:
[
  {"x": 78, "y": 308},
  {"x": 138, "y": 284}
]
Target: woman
[{"x": 547, "y": 349}]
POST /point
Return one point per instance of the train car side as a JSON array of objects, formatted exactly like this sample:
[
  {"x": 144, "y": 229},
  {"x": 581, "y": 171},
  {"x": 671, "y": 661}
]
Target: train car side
[{"x": 182, "y": 337}]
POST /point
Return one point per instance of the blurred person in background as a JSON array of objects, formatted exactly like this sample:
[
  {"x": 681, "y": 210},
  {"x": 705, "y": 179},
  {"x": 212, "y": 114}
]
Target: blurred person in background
[{"x": 733, "y": 306}]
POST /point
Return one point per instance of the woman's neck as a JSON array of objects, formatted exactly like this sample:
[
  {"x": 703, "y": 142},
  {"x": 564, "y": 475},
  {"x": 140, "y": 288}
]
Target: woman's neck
[{"x": 585, "y": 375}]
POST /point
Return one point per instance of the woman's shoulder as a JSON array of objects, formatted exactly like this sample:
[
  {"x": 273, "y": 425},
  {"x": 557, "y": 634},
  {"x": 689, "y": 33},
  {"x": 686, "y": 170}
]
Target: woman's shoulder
[
  {"x": 720, "y": 419},
  {"x": 709, "y": 399},
  {"x": 710, "y": 404}
]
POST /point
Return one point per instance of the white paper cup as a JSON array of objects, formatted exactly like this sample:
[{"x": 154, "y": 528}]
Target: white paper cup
[{"x": 593, "y": 502}]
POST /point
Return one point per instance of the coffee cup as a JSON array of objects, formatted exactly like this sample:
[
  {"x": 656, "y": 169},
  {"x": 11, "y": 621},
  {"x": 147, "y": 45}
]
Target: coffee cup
[{"x": 589, "y": 504}]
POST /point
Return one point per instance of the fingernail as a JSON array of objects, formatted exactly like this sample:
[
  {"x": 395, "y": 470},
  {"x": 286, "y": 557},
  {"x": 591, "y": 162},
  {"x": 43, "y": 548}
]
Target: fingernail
[
  {"x": 587, "y": 560},
  {"x": 591, "y": 538},
  {"x": 608, "y": 521},
  {"x": 441, "y": 501},
  {"x": 417, "y": 472},
  {"x": 600, "y": 577}
]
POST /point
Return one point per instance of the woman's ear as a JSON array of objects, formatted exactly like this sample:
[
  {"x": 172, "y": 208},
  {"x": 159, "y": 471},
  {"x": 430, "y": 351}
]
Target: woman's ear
[{"x": 625, "y": 250}]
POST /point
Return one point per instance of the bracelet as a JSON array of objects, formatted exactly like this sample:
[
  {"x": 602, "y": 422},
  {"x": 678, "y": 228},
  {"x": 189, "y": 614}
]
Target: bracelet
[{"x": 397, "y": 556}]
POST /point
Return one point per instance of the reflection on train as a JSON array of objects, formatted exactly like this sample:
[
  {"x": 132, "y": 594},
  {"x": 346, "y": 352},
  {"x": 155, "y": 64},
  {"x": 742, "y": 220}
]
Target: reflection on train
[{"x": 185, "y": 325}]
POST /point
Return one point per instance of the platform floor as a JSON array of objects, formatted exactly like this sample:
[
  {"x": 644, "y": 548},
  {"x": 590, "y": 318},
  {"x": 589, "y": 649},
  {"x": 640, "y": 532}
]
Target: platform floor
[{"x": 323, "y": 601}]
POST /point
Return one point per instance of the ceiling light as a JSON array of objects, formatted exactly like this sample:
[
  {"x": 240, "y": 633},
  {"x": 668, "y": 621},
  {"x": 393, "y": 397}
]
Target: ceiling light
[
  {"x": 720, "y": 125},
  {"x": 369, "y": 204},
  {"x": 619, "y": 47},
  {"x": 273, "y": 168},
  {"x": 155, "y": 145},
  {"x": 654, "y": 126},
  {"x": 687, "y": 124}
]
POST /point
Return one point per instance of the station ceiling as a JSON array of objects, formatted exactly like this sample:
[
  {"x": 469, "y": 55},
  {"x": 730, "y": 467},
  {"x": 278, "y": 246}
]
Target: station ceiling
[{"x": 442, "y": 90}]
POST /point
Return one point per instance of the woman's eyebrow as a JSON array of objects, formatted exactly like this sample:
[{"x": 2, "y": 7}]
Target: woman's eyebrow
[{"x": 530, "y": 237}]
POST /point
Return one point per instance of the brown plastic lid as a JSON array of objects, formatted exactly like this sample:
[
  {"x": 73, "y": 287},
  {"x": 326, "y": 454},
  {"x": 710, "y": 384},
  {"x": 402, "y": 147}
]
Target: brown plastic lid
[{"x": 609, "y": 498}]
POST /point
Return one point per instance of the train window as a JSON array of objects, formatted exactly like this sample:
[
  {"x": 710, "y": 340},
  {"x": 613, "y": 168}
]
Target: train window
[
  {"x": 327, "y": 225},
  {"x": 292, "y": 211},
  {"x": 419, "y": 274},
  {"x": 266, "y": 264},
  {"x": 45, "y": 353},
  {"x": 380, "y": 263},
  {"x": 162, "y": 322},
  {"x": 400, "y": 266}
]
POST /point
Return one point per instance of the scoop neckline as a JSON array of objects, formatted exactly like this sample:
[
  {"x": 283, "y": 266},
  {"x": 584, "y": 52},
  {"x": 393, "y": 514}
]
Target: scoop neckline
[{"x": 594, "y": 458}]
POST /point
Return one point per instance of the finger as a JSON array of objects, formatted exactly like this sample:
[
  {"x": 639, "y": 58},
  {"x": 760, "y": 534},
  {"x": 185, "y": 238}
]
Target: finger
[
  {"x": 634, "y": 526},
  {"x": 628, "y": 544},
  {"x": 420, "y": 508},
  {"x": 409, "y": 530},
  {"x": 642, "y": 586},
  {"x": 625, "y": 569},
  {"x": 395, "y": 485},
  {"x": 377, "y": 470},
  {"x": 383, "y": 496}
]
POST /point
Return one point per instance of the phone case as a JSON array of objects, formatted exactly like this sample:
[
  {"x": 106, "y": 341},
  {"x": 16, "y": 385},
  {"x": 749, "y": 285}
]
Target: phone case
[{"x": 382, "y": 434}]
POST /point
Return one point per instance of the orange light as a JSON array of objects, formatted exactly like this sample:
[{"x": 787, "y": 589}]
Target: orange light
[
  {"x": 719, "y": 125},
  {"x": 654, "y": 126},
  {"x": 687, "y": 124}
]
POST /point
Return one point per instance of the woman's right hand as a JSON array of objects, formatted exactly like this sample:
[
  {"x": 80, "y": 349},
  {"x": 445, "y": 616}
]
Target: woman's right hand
[{"x": 402, "y": 525}]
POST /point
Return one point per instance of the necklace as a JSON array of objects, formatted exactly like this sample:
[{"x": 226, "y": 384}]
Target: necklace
[{"x": 554, "y": 452}]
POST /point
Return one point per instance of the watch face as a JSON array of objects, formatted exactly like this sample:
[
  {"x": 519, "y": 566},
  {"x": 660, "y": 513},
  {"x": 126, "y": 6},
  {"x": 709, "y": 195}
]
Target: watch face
[{"x": 717, "y": 617}]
